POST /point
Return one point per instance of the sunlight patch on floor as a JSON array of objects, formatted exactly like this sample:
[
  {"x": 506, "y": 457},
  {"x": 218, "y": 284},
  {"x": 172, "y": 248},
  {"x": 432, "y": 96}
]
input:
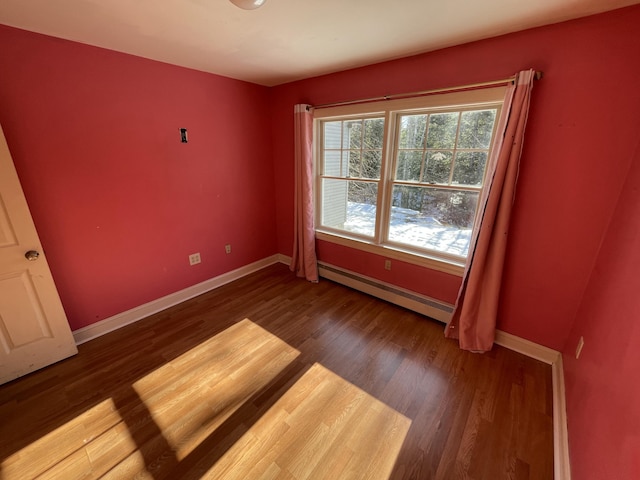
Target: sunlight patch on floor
[
  {"x": 323, "y": 427},
  {"x": 156, "y": 422},
  {"x": 75, "y": 447},
  {"x": 193, "y": 395}
]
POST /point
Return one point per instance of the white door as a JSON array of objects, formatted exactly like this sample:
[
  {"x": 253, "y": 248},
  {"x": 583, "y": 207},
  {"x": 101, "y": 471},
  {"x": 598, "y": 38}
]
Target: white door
[{"x": 34, "y": 331}]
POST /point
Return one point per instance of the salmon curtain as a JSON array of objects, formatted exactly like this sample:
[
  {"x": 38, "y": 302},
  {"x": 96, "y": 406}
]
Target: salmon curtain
[
  {"x": 473, "y": 321},
  {"x": 303, "y": 260}
]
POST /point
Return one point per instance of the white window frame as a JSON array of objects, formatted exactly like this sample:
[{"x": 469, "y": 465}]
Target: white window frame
[{"x": 391, "y": 110}]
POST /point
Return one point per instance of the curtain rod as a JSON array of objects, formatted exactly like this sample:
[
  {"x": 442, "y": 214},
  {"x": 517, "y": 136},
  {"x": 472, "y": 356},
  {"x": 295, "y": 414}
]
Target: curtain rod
[{"x": 494, "y": 83}]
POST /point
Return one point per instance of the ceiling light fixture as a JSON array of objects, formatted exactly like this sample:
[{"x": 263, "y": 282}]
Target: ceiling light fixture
[{"x": 248, "y": 4}]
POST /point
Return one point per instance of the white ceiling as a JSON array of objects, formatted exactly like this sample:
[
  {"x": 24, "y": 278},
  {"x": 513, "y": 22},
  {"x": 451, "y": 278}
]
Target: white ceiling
[{"x": 285, "y": 40}]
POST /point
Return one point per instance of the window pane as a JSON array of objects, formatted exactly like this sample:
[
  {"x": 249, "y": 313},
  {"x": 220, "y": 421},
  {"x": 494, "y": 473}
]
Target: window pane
[
  {"x": 332, "y": 133},
  {"x": 354, "y": 164},
  {"x": 334, "y": 203},
  {"x": 361, "y": 213},
  {"x": 352, "y": 133},
  {"x": 371, "y": 161},
  {"x": 349, "y": 205},
  {"x": 469, "y": 168},
  {"x": 433, "y": 218},
  {"x": 373, "y": 133},
  {"x": 332, "y": 163},
  {"x": 412, "y": 128},
  {"x": 442, "y": 130},
  {"x": 438, "y": 167},
  {"x": 476, "y": 128},
  {"x": 409, "y": 165}
]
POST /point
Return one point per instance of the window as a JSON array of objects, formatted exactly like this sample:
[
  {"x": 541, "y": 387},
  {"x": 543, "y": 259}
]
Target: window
[{"x": 404, "y": 177}]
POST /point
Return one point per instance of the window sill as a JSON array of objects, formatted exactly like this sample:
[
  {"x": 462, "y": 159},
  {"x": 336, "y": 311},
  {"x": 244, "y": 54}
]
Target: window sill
[{"x": 447, "y": 266}]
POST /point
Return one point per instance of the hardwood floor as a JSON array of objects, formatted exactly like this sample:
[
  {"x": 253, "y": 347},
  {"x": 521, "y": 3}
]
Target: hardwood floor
[{"x": 273, "y": 377}]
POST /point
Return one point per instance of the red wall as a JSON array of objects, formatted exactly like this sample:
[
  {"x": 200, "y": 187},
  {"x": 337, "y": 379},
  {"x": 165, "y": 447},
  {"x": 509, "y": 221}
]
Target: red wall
[
  {"x": 118, "y": 200},
  {"x": 603, "y": 387},
  {"x": 120, "y": 203},
  {"x": 579, "y": 142}
]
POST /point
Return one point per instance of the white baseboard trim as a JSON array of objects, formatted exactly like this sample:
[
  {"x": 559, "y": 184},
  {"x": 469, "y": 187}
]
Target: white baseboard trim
[
  {"x": 527, "y": 347},
  {"x": 284, "y": 259},
  {"x": 561, "y": 463},
  {"x": 110, "y": 324}
]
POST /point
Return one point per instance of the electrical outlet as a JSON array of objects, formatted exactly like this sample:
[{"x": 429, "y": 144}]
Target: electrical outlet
[
  {"x": 227, "y": 248},
  {"x": 387, "y": 264},
  {"x": 579, "y": 347},
  {"x": 194, "y": 259}
]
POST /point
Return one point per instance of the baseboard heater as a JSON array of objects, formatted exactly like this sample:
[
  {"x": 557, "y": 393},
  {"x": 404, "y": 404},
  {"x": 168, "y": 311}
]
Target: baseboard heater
[{"x": 405, "y": 298}]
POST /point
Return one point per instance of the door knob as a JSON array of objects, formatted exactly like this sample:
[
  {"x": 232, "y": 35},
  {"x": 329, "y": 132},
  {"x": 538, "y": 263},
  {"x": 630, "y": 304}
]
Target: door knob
[{"x": 32, "y": 255}]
